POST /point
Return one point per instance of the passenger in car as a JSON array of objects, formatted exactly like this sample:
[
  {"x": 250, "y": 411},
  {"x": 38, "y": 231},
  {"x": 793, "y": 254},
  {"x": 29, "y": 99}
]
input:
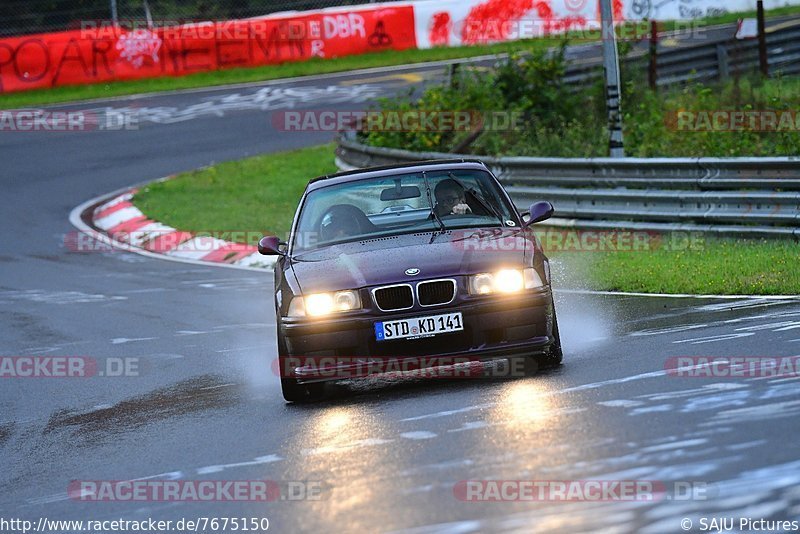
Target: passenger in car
[{"x": 342, "y": 221}]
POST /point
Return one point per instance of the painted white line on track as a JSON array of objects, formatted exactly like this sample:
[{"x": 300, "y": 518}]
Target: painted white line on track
[
  {"x": 714, "y": 339},
  {"x": 418, "y": 434},
  {"x": 222, "y": 467},
  {"x": 668, "y": 330},
  {"x": 768, "y": 326}
]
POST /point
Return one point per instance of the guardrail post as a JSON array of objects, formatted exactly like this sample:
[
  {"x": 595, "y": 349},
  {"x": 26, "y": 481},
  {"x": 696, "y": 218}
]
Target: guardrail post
[
  {"x": 762, "y": 40},
  {"x": 452, "y": 75},
  {"x": 653, "y": 73},
  {"x": 613, "y": 85},
  {"x": 722, "y": 61}
]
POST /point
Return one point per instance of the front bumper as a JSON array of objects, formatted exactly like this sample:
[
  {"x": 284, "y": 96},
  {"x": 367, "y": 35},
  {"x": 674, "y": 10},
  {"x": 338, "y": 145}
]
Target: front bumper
[{"x": 494, "y": 327}]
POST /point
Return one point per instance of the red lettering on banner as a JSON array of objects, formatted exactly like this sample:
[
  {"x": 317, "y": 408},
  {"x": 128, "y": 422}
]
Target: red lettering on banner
[
  {"x": 102, "y": 51},
  {"x": 276, "y": 44},
  {"x": 9, "y": 60},
  {"x": 42, "y": 47},
  {"x": 73, "y": 45},
  {"x": 202, "y": 52},
  {"x": 232, "y": 58},
  {"x": 19, "y": 56}
]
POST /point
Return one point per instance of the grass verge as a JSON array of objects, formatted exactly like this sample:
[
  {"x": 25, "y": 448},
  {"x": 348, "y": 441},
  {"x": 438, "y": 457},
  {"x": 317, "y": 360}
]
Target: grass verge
[
  {"x": 260, "y": 195},
  {"x": 257, "y": 194},
  {"x": 630, "y": 31},
  {"x": 713, "y": 267}
]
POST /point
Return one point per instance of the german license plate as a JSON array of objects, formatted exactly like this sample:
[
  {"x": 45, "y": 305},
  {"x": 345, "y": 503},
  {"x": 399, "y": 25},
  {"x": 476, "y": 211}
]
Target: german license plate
[{"x": 419, "y": 327}]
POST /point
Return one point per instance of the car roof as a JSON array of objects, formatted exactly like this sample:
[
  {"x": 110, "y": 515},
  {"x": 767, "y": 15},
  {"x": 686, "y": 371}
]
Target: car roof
[{"x": 391, "y": 170}]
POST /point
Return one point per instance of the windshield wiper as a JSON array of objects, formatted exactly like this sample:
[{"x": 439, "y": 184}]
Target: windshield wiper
[
  {"x": 483, "y": 202},
  {"x": 442, "y": 227}
]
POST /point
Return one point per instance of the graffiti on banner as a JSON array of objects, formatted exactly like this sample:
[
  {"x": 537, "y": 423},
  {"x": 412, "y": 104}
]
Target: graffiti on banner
[{"x": 139, "y": 45}]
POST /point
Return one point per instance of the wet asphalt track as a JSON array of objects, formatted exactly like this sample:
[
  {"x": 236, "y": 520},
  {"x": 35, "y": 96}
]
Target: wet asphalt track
[{"x": 387, "y": 452}]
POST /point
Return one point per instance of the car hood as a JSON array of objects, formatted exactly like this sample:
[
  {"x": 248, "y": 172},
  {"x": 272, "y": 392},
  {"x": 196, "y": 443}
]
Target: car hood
[{"x": 385, "y": 260}]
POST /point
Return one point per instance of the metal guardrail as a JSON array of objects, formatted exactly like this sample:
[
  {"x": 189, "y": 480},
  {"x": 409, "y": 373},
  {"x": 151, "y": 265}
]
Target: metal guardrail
[
  {"x": 750, "y": 197},
  {"x": 714, "y": 59},
  {"x": 746, "y": 197}
]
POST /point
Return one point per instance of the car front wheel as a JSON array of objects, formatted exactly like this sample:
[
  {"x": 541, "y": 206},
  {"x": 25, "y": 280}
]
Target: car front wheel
[
  {"x": 296, "y": 392},
  {"x": 293, "y": 391},
  {"x": 553, "y": 356}
]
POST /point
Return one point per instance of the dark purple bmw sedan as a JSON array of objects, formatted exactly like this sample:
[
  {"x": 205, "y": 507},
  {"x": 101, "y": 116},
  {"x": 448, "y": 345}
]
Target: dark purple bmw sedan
[{"x": 394, "y": 267}]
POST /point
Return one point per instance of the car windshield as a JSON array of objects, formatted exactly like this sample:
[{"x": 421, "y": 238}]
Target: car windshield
[{"x": 400, "y": 204}]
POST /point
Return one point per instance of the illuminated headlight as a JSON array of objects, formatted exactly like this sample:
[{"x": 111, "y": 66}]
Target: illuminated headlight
[
  {"x": 320, "y": 304},
  {"x": 508, "y": 281},
  {"x": 504, "y": 281}
]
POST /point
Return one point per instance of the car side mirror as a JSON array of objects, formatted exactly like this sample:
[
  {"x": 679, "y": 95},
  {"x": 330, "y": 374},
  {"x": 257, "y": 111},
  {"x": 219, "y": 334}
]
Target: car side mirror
[
  {"x": 540, "y": 211},
  {"x": 268, "y": 246}
]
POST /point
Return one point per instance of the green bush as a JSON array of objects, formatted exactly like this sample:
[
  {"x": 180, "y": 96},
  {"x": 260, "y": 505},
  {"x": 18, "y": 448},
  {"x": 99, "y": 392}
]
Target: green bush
[
  {"x": 648, "y": 134},
  {"x": 559, "y": 121}
]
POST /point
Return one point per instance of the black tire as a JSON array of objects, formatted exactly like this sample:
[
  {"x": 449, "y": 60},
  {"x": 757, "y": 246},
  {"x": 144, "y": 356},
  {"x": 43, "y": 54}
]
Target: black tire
[
  {"x": 553, "y": 356},
  {"x": 292, "y": 390},
  {"x": 296, "y": 392}
]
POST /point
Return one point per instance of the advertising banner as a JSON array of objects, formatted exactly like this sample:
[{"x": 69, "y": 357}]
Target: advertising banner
[{"x": 101, "y": 52}]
